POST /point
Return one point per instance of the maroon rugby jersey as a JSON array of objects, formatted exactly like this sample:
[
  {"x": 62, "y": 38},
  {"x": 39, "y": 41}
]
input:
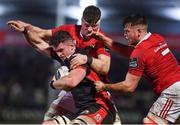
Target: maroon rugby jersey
[
  {"x": 85, "y": 93},
  {"x": 92, "y": 46}
]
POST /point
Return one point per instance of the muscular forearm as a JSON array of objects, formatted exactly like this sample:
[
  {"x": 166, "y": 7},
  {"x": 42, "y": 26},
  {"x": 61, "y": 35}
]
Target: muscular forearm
[
  {"x": 101, "y": 66},
  {"x": 36, "y": 42},
  {"x": 44, "y": 34},
  {"x": 128, "y": 85},
  {"x": 120, "y": 87},
  {"x": 33, "y": 34},
  {"x": 71, "y": 80},
  {"x": 63, "y": 83},
  {"x": 35, "y": 38},
  {"x": 122, "y": 49},
  {"x": 107, "y": 41}
]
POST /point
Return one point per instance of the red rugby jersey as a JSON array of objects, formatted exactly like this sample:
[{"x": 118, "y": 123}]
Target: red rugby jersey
[
  {"x": 93, "y": 46},
  {"x": 153, "y": 58}
]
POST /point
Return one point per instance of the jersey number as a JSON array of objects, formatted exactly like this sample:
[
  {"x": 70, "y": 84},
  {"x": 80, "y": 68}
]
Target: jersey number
[{"x": 166, "y": 51}]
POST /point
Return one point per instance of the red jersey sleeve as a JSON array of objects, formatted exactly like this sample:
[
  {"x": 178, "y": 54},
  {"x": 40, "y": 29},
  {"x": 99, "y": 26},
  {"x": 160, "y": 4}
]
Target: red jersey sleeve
[
  {"x": 101, "y": 49},
  {"x": 136, "y": 63},
  {"x": 62, "y": 27}
]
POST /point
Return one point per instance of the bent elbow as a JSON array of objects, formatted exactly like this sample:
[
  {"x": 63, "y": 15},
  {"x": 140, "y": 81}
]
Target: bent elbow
[
  {"x": 70, "y": 83},
  {"x": 130, "y": 89},
  {"x": 104, "y": 70}
]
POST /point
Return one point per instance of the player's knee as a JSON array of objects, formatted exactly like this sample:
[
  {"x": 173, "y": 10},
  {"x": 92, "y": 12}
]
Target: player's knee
[
  {"x": 78, "y": 122},
  {"x": 117, "y": 120},
  {"x": 48, "y": 116},
  {"x": 49, "y": 122},
  {"x": 147, "y": 121},
  {"x": 50, "y": 113},
  {"x": 153, "y": 119}
]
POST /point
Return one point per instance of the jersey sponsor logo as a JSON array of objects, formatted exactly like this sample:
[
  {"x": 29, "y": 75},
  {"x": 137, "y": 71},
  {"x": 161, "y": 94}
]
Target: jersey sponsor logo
[
  {"x": 89, "y": 48},
  {"x": 133, "y": 63},
  {"x": 161, "y": 45},
  {"x": 98, "y": 117}
]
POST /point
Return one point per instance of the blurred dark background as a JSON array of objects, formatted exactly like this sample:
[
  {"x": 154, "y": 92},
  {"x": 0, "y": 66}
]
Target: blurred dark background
[{"x": 25, "y": 73}]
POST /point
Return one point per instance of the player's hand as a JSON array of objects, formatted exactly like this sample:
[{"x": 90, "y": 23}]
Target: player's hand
[
  {"x": 100, "y": 86},
  {"x": 79, "y": 59},
  {"x": 17, "y": 25},
  {"x": 96, "y": 34}
]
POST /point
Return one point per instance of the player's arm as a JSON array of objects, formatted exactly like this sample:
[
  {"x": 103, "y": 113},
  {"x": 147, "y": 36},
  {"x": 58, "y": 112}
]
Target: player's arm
[
  {"x": 101, "y": 64},
  {"x": 35, "y": 36},
  {"x": 128, "y": 85},
  {"x": 20, "y": 26},
  {"x": 122, "y": 49},
  {"x": 71, "y": 80},
  {"x": 37, "y": 40}
]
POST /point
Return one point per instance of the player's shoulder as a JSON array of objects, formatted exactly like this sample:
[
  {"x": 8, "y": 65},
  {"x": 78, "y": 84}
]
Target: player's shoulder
[
  {"x": 156, "y": 36},
  {"x": 68, "y": 26},
  {"x": 81, "y": 51},
  {"x": 152, "y": 41}
]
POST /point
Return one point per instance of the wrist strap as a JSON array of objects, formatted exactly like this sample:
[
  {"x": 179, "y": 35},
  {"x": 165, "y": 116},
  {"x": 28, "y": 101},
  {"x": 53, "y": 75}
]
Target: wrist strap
[
  {"x": 89, "y": 60},
  {"x": 106, "y": 88},
  {"x": 51, "y": 84}
]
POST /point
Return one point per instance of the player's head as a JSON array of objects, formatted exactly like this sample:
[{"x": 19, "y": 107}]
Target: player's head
[
  {"x": 63, "y": 44},
  {"x": 135, "y": 25},
  {"x": 90, "y": 20}
]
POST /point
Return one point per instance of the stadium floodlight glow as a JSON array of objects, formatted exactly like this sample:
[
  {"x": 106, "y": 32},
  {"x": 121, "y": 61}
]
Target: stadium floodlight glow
[
  {"x": 173, "y": 13},
  {"x": 2, "y": 10},
  {"x": 75, "y": 12},
  {"x": 83, "y": 4}
]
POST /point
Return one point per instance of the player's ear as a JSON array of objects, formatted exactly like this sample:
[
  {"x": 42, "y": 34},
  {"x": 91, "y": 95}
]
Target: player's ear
[
  {"x": 73, "y": 47},
  {"x": 74, "y": 41},
  {"x": 82, "y": 20},
  {"x": 139, "y": 30}
]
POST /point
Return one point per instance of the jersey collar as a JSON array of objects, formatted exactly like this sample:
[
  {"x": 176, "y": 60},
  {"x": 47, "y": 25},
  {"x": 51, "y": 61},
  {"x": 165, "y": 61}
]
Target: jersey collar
[
  {"x": 81, "y": 35},
  {"x": 144, "y": 38}
]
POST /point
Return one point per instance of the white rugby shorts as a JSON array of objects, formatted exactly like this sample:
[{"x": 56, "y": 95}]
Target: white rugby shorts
[{"x": 167, "y": 106}]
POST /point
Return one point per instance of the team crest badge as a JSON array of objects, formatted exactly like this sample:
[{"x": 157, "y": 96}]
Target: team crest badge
[{"x": 133, "y": 63}]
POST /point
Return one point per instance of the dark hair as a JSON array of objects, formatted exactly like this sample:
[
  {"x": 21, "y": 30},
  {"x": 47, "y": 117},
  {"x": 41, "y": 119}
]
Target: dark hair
[
  {"x": 135, "y": 19},
  {"x": 58, "y": 37},
  {"x": 91, "y": 14}
]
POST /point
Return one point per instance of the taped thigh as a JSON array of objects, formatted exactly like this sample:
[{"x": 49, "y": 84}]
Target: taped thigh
[
  {"x": 78, "y": 121},
  {"x": 61, "y": 120},
  {"x": 117, "y": 120},
  {"x": 51, "y": 112},
  {"x": 154, "y": 119}
]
